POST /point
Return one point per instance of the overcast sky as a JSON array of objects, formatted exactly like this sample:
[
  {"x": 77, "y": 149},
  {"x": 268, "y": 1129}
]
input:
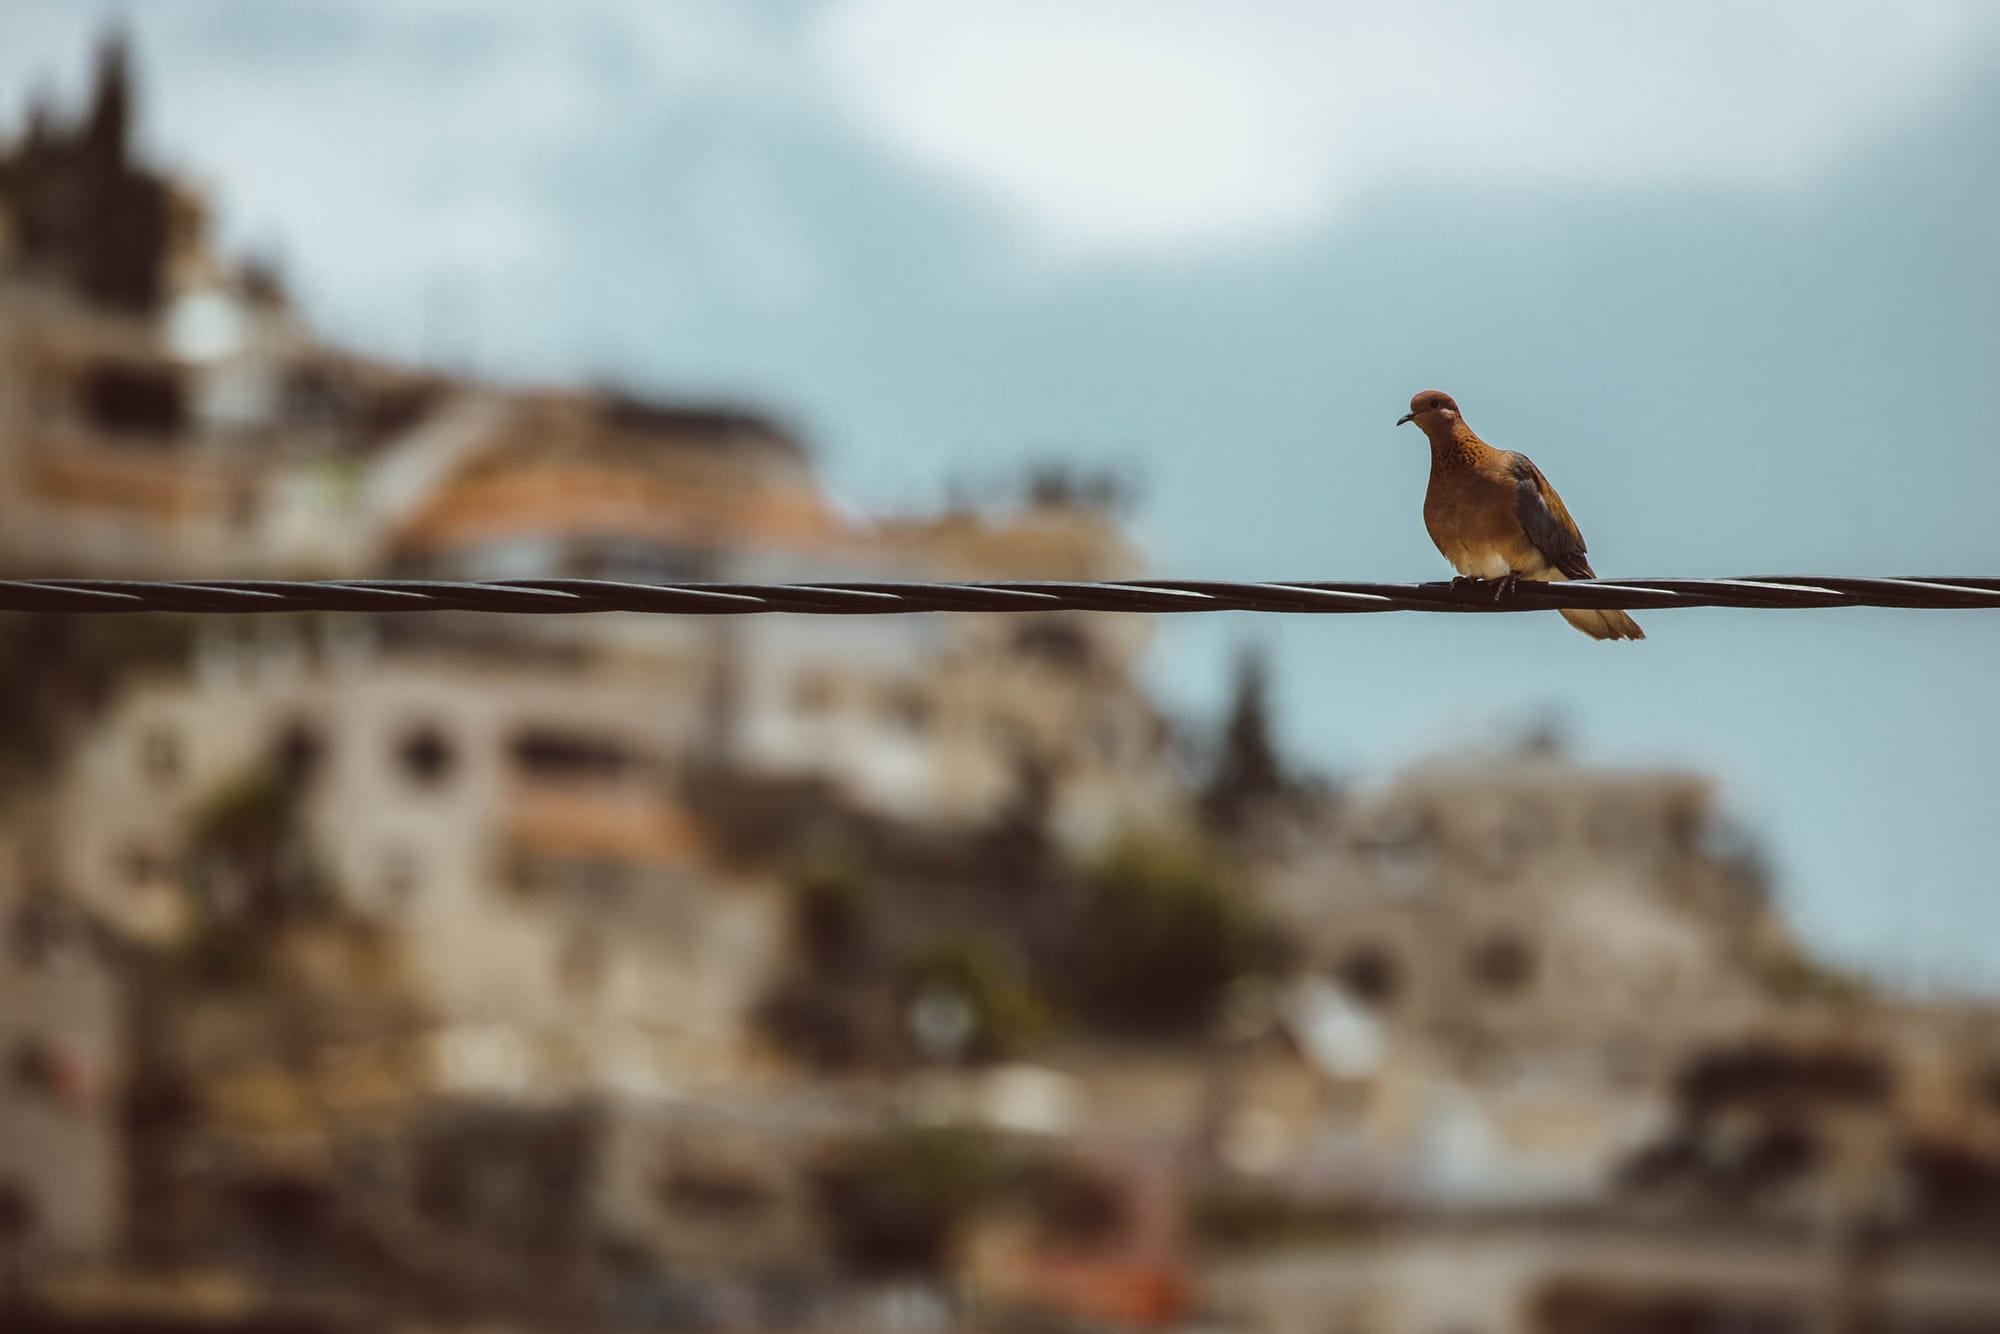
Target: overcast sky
[{"x": 1726, "y": 268}]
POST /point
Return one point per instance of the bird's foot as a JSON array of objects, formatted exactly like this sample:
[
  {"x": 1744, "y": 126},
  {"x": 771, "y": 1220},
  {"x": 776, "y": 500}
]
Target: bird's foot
[
  {"x": 1465, "y": 581},
  {"x": 1503, "y": 588}
]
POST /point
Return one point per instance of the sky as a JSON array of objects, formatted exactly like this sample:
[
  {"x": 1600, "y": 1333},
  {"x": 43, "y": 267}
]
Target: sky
[{"x": 1726, "y": 269}]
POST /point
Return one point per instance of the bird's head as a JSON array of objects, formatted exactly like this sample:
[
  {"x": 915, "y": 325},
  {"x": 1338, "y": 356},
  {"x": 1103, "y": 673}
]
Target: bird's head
[{"x": 1430, "y": 410}]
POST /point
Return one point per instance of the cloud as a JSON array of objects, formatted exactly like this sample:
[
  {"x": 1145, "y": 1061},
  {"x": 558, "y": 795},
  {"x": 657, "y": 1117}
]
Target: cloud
[
  {"x": 389, "y": 147},
  {"x": 1164, "y": 125}
]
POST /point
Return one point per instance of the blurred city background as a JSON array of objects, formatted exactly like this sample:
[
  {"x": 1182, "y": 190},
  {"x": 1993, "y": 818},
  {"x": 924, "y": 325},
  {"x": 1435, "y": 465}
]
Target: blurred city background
[{"x": 1346, "y": 975}]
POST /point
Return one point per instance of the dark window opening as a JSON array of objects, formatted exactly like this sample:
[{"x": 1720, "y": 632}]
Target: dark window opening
[
  {"x": 1371, "y": 974},
  {"x": 568, "y": 757},
  {"x": 134, "y": 400},
  {"x": 1769, "y": 1071},
  {"x": 392, "y": 411},
  {"x": 283, "y": 1208},
  {"x": 18, "y": 1214},
  {"x": 298, "y": 754},
  {"x": 427, "y": 755},
  {"x": 1060, "y": 643},
  {"x": 1503, "y": 964},
  {"x": 40, "y": 1066}
]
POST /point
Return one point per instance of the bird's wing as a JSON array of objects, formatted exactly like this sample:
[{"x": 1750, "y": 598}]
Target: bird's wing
[{"x": 1546, "y": 519}]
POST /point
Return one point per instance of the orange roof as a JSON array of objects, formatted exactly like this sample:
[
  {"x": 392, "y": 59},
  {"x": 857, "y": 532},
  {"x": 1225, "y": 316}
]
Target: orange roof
[
  {"x": 589, "y": 498},
  {"x": 566, "y": 465}
]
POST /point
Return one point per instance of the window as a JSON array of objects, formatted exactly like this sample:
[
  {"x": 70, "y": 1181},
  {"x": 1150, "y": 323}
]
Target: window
[
  {"x": 426, "y": 755},
  {"x": 1059, "y": 643},
  {"x": 551, "y": 755},
  {"x": 1370, "y": 973},
  {"x": 18, "y": 1214},
  {"x": 134, "y": 400},
  {"x": 32, "y": 1064},
  {"x": 298, "y": 753},
  {"x": 1503, "y": 964}
]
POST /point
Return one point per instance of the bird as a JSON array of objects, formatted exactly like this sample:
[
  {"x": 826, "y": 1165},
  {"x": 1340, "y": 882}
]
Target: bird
[{"x": 1495, "y": 517}]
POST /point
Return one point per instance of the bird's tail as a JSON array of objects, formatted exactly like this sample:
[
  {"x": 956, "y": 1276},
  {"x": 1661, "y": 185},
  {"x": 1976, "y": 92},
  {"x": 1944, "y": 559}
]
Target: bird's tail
[
  {"x": 1593, "y": 622},
  {"x": 1603, "y": 624}
]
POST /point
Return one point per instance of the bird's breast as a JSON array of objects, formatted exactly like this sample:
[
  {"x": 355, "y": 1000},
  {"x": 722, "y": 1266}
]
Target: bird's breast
[{"x": 1474, "y": 521}]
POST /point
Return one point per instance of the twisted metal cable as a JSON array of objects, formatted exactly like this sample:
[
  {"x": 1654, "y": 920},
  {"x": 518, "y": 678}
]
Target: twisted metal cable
[{"x": 237, "y": 596}]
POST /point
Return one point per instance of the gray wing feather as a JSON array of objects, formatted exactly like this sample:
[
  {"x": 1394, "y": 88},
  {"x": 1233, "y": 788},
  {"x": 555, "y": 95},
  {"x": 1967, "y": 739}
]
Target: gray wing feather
[{"x": 1546, "y": 520}]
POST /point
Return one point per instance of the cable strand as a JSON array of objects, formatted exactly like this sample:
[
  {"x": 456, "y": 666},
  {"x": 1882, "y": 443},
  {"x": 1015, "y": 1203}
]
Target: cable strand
[{"x": 1151, "y": 596}]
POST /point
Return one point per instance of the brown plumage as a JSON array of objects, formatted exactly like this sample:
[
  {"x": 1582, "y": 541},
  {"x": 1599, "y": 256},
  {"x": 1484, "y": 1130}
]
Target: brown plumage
[{"x": 1494, "y": 516}]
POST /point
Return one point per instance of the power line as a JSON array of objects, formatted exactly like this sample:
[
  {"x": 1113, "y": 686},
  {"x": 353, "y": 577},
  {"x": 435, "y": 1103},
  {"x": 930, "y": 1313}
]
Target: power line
[{"x": 568, "y": 596}]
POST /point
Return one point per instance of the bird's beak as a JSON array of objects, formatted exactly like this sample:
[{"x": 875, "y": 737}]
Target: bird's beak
[{"x": 1406, "y": 417}]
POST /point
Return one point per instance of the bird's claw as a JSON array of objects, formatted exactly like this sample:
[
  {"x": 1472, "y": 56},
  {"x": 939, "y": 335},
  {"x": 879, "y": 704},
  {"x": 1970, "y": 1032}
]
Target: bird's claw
[{"x": 1503, "y": 588}]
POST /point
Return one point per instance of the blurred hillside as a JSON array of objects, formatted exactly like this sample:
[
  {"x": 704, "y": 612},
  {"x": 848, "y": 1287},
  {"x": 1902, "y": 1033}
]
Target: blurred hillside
[{"x": 460, "y": 971}]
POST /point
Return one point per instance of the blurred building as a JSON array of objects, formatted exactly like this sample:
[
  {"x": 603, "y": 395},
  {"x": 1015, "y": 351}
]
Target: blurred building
[
  {"x": 1554, "y": 1063},
  {"x": 531, "y": 835},
  {"x": 1504, "y": 961},
  {"x": 451, "y": 881}
]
